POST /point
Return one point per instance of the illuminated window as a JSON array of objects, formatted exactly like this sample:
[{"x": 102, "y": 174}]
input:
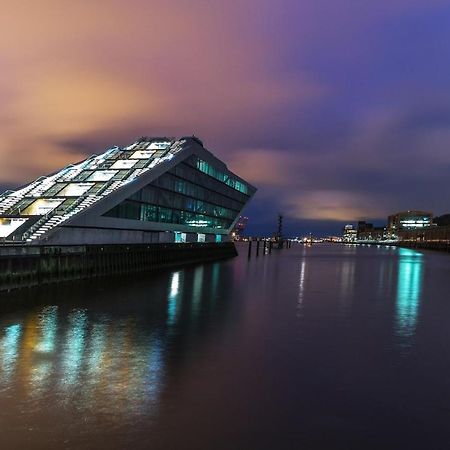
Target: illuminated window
[
  {"x": 7, "y": 226},
  {"x": 41, "y": 206},
  {"x": 180, "y": 237},
  {"x": 123, "y": 164},
  {"x": 158, "y": 145},
  {"x": 54, "y": 189},
  {"x": 142, "y": 154},
  {"x": 75, "y": 189},
  {"x": 102, "y": 175},
  {"x": 207, "y": 168}
]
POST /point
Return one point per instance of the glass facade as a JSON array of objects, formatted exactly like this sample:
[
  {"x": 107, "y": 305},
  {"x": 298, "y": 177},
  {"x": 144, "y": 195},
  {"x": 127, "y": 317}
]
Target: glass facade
[
  {"x": 194, "y": 193},
  {"x": 186, "y": 195}
]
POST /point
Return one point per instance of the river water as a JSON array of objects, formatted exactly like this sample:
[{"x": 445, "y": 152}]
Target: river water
[{"x": 322, "y": 347}]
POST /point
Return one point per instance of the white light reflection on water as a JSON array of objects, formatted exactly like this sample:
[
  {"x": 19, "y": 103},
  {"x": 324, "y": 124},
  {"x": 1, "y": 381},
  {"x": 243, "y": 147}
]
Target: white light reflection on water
[
  {"x": 9, "y": 346},
  {"x": 301, "y": 288},
  {"x": 74, "y": 346},
  {"x": 48, "y": 325},
  {"x": 347, "y": 284},
  {"x": 409, "y": 289},
  {"x": 155, "y": 371},
  {"x": 173, "y": 300},
  {"x": 96, "y": 350},
  {"x": 45, "y": 345}
]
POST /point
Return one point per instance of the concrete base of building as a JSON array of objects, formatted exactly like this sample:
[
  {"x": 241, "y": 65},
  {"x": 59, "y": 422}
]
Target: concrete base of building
[
  {"x": 31, "y": 266},
  {"x": 443, "y": 246}
]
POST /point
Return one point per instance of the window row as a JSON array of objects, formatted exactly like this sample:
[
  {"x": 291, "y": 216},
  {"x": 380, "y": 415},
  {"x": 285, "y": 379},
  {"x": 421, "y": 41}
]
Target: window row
[
  {"x": 181, "y": 189},
  {"x": 153, "y": 213},
  {"x": 210, "y": 170},
  {"x": 192, "y": 174},
  {"x": 155, "y": 196}
]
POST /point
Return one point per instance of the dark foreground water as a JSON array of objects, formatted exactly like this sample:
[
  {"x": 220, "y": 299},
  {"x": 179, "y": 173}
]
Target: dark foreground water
[{"x": 327, "y": 347}]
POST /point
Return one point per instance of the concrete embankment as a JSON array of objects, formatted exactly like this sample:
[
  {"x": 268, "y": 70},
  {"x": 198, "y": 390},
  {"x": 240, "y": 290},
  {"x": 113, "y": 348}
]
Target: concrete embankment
[
  {"x": 29, "y": 266},
  {"x": 443, "y": 246}
]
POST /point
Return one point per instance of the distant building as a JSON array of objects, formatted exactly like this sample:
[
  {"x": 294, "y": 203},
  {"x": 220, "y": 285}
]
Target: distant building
[
  {"x": 364, "y": 227},
  {"x": 442, "y": 221},
  {"x": 349, "y": 233},
  {"x": 408, "y": 220}
]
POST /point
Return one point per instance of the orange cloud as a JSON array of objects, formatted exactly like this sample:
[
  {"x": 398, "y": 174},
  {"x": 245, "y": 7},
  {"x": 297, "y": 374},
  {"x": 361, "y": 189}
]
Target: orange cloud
[{"x": 332, "y": 205}]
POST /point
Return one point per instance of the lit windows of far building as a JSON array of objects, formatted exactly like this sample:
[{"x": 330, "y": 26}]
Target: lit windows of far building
[
  {"x": 349, "y": 233},
  {"x": 408, "y": 220},
  {"x": 367, "y": 232}
]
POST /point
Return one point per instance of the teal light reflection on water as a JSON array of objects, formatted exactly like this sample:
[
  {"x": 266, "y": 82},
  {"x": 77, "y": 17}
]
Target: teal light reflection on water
[
  {"x": 215, "y": 275},
  {"x": 174, "y": 294},
  {"x": 9, "y": 350},
  {"x": 409, "y": 290},
  {"x": 197, "y": 290}
]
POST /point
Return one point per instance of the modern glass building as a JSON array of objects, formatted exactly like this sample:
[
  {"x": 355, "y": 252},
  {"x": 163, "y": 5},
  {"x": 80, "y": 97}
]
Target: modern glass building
[{"x": 155, "y": 190}]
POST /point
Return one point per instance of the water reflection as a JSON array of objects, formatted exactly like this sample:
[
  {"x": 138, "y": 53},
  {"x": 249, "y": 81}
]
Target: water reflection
[
  {"x": 174, "y": 299},
  {"x": 347, "y": 285},
  {"x": 97, "y": 348},
  {"x": 48, "y": 325},
  {"x": 9, "y": 346},
  {"x": 74, "y": 346},
  {"x": 301, "y": 288},
  {"x": 215, "y": 279},
  {"x": 112, "y": 363},
  {"x": 197, "y": 290},
  {"x": 409, "y": 289}
]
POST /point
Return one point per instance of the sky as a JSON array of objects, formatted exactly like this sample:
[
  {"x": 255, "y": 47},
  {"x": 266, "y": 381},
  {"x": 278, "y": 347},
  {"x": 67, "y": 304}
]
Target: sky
[{"x": 336, "y": 110}]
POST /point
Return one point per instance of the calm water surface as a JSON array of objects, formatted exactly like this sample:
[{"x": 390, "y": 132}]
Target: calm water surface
[{"x": 324, "y": 347}]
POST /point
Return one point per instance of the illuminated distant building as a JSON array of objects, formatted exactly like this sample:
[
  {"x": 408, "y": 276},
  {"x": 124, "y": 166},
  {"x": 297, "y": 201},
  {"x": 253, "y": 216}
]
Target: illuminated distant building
[
  {"x": 156, "y": 190},
  {"x": 367, "y": 232},
  {"x": 408, "y": 220},
  {"x": 349, "y": 233}
]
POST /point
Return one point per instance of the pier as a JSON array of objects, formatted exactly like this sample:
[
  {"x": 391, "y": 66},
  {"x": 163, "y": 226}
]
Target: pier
[{"x": 29, "y": 266}]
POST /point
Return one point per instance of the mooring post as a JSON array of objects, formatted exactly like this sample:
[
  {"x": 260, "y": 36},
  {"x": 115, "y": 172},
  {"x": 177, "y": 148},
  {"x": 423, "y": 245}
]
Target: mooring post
[
  {"x": 257, "y": 247},
  {"x": 249, "y": 247},
  {"x": 264, "y": 247},
  {"x": 270, "y": 247}
]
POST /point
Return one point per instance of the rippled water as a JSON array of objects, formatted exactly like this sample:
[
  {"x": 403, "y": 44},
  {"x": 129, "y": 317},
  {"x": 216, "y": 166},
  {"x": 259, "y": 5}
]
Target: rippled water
[{"x": 323, "y": 347}]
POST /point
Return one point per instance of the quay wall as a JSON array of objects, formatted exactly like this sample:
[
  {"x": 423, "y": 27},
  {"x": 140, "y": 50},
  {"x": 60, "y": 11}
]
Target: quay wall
[
  {"x": 430, "y": 238},
  {"x": 29, "y": 266}
]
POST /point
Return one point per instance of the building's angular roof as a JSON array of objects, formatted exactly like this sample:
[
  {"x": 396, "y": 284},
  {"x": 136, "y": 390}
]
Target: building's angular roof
[{"x": 33, "y": 211}]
